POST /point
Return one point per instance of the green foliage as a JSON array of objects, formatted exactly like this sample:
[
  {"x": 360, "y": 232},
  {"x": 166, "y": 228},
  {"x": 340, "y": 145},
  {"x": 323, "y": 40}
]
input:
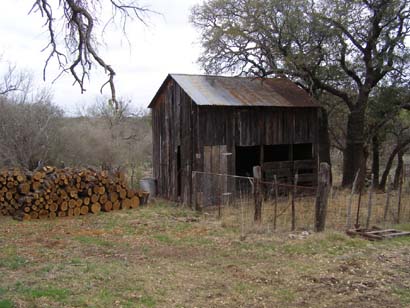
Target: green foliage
[{"x": 322, "y": 45}]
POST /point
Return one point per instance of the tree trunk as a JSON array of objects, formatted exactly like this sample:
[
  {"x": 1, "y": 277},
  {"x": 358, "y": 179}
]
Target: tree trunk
[
  {"x": 353, "y": 154},
  {"x": 389, "y": 163},
  {"x": 386, "y": 172},
  {"x": 376, "y": 160},
  {"x": 399, "y": 169}
]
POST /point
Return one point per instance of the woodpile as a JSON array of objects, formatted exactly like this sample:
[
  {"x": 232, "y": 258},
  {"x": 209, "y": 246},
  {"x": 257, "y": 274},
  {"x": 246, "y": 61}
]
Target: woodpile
[{"x": 51, "y": 192}]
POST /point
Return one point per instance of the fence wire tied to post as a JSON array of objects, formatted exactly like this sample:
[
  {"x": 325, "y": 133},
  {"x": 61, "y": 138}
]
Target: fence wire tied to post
[{"x": 232, "y": 198}]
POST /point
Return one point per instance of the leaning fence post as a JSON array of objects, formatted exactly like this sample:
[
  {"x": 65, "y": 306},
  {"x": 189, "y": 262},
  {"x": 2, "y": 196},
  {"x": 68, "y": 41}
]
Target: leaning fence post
[
  {"x": 359, "y": 203},
  {"x": 257, "y": 177},
  {"x": 275, "y": 209},
  {"x": 322, "y": 196},
  {"x": 293, "y": 202},
  {"x": 399, "y": 197},
  {"x": 349, "y": 206},
  {"x": 386, "y": 206},
  {"x": 370, "y": 203},
  {"x": 194, "y": 204}
]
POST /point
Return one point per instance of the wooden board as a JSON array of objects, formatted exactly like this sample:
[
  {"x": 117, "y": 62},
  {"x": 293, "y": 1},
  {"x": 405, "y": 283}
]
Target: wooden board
[{"x": 377, "y": 234}]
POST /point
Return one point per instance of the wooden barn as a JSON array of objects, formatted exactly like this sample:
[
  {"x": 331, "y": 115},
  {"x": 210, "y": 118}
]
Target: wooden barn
[{"x": 227, "y": 125}]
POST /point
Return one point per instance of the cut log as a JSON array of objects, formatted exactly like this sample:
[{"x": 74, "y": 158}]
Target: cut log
[
  {"x": 95, "y": 208},
  {"x": 135, "y": 202}
]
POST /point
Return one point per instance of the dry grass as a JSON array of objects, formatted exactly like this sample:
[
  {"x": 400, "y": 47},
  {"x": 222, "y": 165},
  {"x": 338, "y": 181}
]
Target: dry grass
[
  {"x": 240, "y": 213},
  {"x": 168, "y": 256}
]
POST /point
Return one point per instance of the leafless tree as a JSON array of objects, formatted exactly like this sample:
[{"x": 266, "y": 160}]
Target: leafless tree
[
  {"x": 27, "y": 132},
  {"x": 12, "y": 80},
  {"x": 79, "y": 53}
]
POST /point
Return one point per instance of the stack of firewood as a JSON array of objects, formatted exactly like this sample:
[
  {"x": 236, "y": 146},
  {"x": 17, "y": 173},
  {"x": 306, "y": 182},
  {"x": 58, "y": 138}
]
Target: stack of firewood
[{"x": 51, "y": 192}]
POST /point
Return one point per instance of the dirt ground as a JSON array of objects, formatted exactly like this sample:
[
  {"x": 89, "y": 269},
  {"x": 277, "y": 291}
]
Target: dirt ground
[{"x": 167, "y": 256}]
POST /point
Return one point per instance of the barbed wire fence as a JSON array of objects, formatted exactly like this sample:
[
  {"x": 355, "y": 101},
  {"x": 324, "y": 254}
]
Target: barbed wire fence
[{"x": 291, "y": 207}]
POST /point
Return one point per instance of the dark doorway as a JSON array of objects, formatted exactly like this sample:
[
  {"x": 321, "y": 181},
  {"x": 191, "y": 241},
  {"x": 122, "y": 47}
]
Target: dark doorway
[
  {"x": 279, "y": 152},
  {"x": 246, "y": 158},
  {"x": 179, "y": 171},
  {"x": 303, "y": 151}
]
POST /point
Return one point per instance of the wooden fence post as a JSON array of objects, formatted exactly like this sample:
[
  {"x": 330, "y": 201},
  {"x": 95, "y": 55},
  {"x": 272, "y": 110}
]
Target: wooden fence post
[
  {"x": 322, "y": 196},
  {"x": 295, "y": 183},
  {"x": 399, "y": 197},
  {"x": 275, "y": 210},
  {"x": 370, "y": 204},
  {"x": 257, "y": 178},
  {"x": 349, "y": 206},
  {"x": 387, "y": 204},
  {"x": 359, "y": 202},
  {"x": 194, "y": 203}
]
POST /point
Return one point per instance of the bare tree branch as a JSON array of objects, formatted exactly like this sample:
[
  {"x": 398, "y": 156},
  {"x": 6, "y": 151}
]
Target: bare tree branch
[{"x": 80, "y": 53}]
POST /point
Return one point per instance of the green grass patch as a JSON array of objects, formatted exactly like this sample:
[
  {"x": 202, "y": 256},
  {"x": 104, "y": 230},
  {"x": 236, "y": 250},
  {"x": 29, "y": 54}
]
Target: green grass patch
[
  {"x": 243, "y": 287},
  {"x": 50, "y": 292},
  {"x": 56, "y": 294},
  {"x": 13, "y": 262},
  {"x": 403, "y": 294},
  {"x": 286, "y": 295},
  {"x": 163, "y": 238},
  {"x": 5, "y": 303},
  {"x": 147, "y": 301},
  {"x": 93, "y": 241},
  {"x": 195, "y": 241},
  {"x": 2, "y": 291},
  {"x": 333, "y": 244}
]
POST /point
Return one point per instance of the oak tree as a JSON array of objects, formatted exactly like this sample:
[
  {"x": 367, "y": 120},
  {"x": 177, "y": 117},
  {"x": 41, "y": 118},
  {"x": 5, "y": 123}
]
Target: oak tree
[{"x": 338, "y": 47}]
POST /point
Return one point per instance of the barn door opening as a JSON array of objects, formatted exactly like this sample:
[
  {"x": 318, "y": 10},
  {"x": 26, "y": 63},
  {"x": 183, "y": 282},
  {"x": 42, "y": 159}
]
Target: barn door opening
[
  {"x": 179, "y": 171},
  {"x": 246, "y": 158}
]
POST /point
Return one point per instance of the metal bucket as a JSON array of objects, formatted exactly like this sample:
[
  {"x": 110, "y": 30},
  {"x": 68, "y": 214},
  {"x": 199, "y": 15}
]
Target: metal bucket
[{"x": 149, "y": 185}]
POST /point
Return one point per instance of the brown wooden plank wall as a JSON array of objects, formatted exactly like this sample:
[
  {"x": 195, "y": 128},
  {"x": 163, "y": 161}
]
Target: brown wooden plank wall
[
  {"x": 257, "y": 125},
  {"x": 178, "y": 122}
]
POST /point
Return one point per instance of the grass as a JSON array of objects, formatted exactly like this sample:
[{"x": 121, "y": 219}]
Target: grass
[
  {"x": 403, "y": 294},
  {"x": 93, "y": 241},
  {"x": 13, "y": 262},
  {"x": 5, "y": 303},
  {"x": 164, "y": 255}
]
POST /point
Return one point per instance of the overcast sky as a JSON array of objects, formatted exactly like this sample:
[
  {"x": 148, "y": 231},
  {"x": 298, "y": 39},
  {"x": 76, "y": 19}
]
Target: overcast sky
[{"x": 167, "y": 45}]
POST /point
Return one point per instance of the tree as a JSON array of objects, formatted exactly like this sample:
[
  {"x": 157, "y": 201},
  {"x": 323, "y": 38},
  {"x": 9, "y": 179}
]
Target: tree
[
  {"x": 387, "y": 117},
  {"x": 80, "y": 19},
  {"x": 12, "y": 80},
  {"x": 28, "y": 130},
  {"x": 343, "y": 48}
]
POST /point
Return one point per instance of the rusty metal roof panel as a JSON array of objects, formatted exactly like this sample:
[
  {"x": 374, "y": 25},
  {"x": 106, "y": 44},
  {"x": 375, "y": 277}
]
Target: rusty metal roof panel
[{"x": 243, "y": 91}]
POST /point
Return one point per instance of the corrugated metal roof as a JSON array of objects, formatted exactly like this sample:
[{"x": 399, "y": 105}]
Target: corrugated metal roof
[{"x": 242, "y": 91}]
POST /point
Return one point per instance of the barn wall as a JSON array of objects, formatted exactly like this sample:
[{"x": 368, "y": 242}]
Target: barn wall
[
  {"x": 172, "y": 130},
  {"x": 257, "y": 125},
  {"x": 179, "y": 123},
  {"x": 252, "y": 126}
]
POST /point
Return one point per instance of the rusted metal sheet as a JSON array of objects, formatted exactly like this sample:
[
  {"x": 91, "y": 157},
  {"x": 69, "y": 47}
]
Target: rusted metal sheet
[{"x": 242, "y": 91}]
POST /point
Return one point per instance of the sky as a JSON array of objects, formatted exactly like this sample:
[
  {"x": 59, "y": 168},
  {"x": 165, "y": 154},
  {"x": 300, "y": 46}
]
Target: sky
[{"x": 168, "y": 44}]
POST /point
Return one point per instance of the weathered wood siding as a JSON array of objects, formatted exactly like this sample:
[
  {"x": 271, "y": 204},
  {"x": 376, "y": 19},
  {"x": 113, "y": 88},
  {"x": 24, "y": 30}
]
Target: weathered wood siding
[{"x": 177, "y": 122}]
